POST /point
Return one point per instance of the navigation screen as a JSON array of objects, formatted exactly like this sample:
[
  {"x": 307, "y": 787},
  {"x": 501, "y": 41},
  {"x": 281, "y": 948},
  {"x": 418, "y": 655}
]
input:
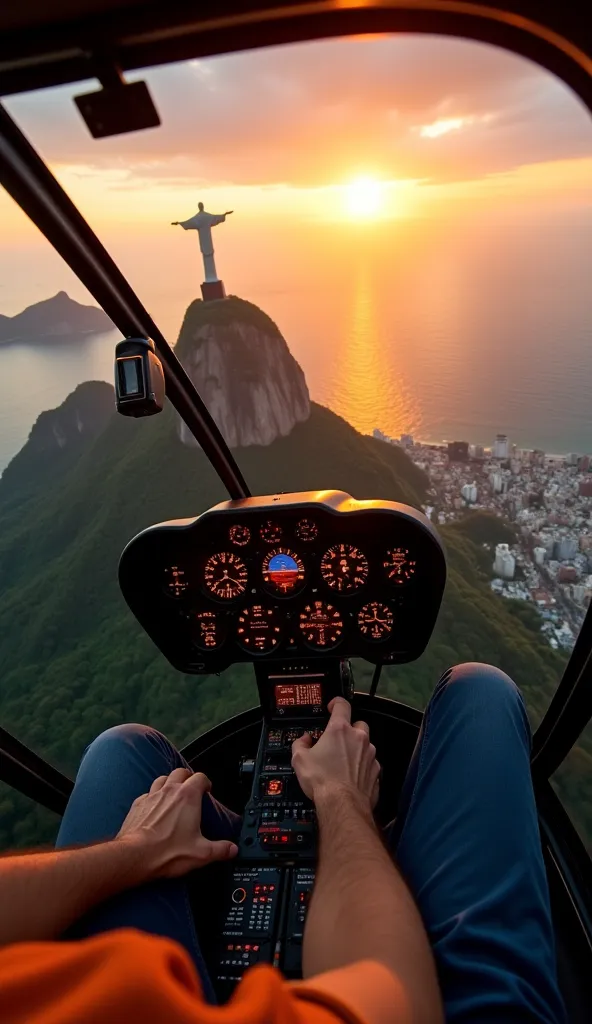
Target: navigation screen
[{"x": 290, "y": 695}]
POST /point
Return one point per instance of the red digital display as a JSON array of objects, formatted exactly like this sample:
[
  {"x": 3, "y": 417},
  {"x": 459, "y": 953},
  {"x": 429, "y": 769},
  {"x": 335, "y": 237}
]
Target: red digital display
[
  {"x": 274, "y": 787},
  {"x": 290, "y": 695}
]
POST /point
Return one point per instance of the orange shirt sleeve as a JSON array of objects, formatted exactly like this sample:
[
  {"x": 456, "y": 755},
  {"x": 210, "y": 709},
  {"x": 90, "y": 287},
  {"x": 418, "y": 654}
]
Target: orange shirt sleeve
[{"x": 126, "y": 976}]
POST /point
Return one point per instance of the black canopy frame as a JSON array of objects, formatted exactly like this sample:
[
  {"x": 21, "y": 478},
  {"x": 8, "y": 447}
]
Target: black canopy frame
[{"x": 556, "y": 36}]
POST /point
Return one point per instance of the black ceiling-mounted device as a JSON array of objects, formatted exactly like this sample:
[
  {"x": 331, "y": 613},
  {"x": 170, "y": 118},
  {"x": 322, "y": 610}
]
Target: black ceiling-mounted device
[
  {"x": 139, "y": 378},
  {"x": 118, "y": 107}
]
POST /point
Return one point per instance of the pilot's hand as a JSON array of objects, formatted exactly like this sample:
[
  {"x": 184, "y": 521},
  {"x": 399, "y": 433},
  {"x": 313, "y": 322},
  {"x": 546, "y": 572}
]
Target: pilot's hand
[
  {"x": 166, "y": 822},
  {"x": 342, "y": 758}
]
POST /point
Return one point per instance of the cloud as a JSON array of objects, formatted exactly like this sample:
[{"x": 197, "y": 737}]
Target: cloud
[{"x": 317, "y": 113}]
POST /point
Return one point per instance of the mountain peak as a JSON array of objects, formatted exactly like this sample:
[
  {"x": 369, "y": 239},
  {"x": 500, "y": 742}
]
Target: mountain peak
[
  {"x": 243, "y": 369},
  {"x": 56, "y": 317}
]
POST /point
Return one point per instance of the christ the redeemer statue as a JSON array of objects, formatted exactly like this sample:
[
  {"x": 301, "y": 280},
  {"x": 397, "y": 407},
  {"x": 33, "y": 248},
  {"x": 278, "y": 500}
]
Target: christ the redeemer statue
[{"x": 203, "y": 222}]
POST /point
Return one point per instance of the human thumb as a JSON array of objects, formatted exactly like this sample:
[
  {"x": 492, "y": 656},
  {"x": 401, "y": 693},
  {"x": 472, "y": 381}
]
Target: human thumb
[{"x": 222, "y": 849}]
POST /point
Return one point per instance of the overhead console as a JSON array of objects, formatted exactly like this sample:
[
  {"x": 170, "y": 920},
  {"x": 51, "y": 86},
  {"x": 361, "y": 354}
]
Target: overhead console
[{"x": 309, "y": 574}]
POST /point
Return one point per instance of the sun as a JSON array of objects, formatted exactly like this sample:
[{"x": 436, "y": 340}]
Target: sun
[{"x": 363, "y": 198}]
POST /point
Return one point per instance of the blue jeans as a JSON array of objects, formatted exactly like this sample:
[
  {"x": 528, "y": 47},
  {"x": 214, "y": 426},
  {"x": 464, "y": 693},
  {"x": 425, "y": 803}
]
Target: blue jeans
[{"x": 466, "y": 840}]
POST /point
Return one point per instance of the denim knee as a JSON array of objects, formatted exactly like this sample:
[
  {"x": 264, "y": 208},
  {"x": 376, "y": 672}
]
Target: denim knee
[
  {"x": 475, "y": 680},
  {"x": 127, "y": 734}
]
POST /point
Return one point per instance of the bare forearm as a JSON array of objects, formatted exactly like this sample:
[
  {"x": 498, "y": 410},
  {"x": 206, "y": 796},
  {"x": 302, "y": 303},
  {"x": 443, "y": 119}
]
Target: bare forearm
[
  {"x": 42, "y": 894},
  {"x": 362, "y": 909}
]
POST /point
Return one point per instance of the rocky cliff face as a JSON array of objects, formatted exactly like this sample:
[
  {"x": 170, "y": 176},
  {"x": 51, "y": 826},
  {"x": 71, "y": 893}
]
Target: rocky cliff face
[{"x": 244, "y": 371}]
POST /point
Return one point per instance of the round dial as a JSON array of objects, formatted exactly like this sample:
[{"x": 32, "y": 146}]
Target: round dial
[
  {"x": 239, "y": 535},
  {"x": 375, "y": 621},
  {"x": 270, "y": 532},
  {"x": 321, "y": 624},
  {"x": 307, "y": 530},
  {"x": 399, "y": 566},
  {"x": 344, "y": 567},
  {"x": 225, "y": 575},
  {"x": 258, "y": 628},
  {"x": 175, "y": 581},
  {"x": 209, "y": 632},
  {"x": 283, "y": 571}
]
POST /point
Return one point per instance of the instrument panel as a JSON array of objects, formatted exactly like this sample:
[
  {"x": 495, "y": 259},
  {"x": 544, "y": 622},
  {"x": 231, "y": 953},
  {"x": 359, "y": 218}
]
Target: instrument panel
[{"x": 287, "y": 575}]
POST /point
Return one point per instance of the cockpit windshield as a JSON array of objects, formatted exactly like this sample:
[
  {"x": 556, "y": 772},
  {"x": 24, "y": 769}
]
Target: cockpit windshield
[{"x": 391, "y": 298}]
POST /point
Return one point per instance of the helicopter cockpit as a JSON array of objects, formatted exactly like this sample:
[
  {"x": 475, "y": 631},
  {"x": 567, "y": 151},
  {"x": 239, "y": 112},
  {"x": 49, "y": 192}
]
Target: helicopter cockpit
[
  {"x": 297, "y": 584},
  {"x": 317, "y": 556}
]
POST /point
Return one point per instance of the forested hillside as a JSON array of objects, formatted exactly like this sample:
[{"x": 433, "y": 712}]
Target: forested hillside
[{"x": 73, "y": 659}]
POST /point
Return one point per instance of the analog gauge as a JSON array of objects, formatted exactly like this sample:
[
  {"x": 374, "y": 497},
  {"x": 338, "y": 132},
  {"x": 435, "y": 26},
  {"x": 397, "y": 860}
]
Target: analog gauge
[
  {"x": 270, "y": 532},
  {"x": 239, "y": 535},
  {"x": 175, "y": 581},
  {"x": 344, "y": 567},
  {"x": 399, "y": 567},
  {"x": 258, "y": 629},
  {"x": 209, "y": 632},
  {"x": 283, "y": 571},
  {"x": 307, "y": 530},
  {"x": 375, "y": 621},
  {"x": 321, "y": 624},
  {"x": 225, "y": 575}
]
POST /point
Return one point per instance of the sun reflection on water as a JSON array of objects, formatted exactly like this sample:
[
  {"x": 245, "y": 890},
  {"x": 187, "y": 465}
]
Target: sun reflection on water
[{"x": 368, "y": 386}]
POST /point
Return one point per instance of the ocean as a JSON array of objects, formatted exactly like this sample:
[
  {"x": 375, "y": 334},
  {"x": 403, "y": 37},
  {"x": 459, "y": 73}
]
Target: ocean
[{"x": 444, "y": 331}]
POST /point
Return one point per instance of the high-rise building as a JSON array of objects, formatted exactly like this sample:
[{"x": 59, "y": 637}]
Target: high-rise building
[
  {"x": 497, "y": 482},
  {"x": 584, "y": 464},
  {"x": 539, "y": 556},
  {"x": 567, "y": 548},
  {"x": 505, "y": 563},
  {"x": 573, "y": 458},
  {"x": 501, "y": 447},
  {"x": 469, "y": 493},
  {"x": 406, "y": 441},
  {"x": 458, "y": 451},
  {"x": 586, "y": 489}
]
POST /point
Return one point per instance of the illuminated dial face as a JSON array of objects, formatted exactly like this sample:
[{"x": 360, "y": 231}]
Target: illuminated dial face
[
  {"x": 344, "y": 567},
  {"x": 321, "y": 624},
  {"x": 399, "y": 567},
  {"x": 258, "y": 629},
  {"x": 283, "y": 571},
  {"x": 225, "y": 575},
  {"x": 270, "y": 532},
  {"x": 307, "y": 530},
  {"x": 239, "y": 535},
  {"x": 209, "y": 632},
  {"x": 175, "y": 581},
  {"x": 375, "y": 621}
]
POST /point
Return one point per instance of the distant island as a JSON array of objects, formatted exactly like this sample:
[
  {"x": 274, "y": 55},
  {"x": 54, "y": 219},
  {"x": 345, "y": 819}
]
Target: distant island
[{"x": 57, "y": 318}]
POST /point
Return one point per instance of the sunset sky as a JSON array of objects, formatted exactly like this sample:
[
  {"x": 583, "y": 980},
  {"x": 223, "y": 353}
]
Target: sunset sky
[
  {"x": 283, "y": 130},
  {"x": 355, "y": 133}
]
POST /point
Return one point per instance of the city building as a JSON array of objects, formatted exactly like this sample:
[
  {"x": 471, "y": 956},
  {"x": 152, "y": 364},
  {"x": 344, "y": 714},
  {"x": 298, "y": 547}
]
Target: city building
[
  {"x": 458, "y": 451},
  {"x": 476, "y": 451},
  {"x": 585, "y": 489},
  {"x": 567, "y": 574},
  {"x": 505, "y": 563},
  {"x": 540, "y": 555},
  {"x": 469, "y": 493},
  {"x": 497, "y": 482},
  {"x": 501, "y": 447},
  {"x": 566, "y": 548},
  {"x": 406, "y": 441}
]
